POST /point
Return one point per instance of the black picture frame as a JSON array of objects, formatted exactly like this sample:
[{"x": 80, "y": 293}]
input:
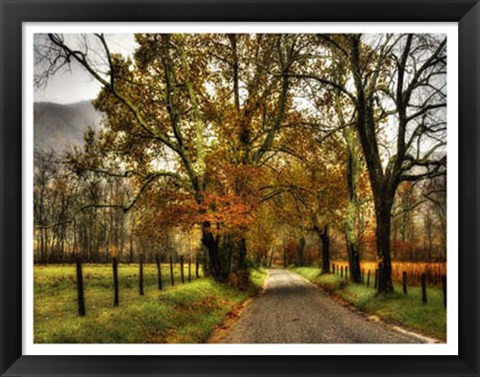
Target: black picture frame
[{"x": 15, "y": 12}]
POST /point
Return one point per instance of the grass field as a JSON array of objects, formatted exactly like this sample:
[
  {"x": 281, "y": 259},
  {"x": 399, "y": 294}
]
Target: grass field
[
  {"x": 408, "y": 310},
  {"x": 185, "y": 313}
]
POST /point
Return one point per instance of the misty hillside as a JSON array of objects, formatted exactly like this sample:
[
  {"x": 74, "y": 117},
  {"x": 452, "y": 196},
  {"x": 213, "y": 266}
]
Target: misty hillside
[{"x": 58, "y": 126}]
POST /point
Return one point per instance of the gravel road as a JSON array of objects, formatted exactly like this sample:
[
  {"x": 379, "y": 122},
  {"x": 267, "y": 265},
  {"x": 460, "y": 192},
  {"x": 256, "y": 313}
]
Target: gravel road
[{"x": 292, "y": 310}]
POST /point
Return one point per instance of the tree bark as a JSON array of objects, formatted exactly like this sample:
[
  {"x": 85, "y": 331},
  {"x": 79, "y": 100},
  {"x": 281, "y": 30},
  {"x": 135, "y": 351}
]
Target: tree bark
[
  {"x": 383, "y": 210},
  {"x": 211, "y": 245},
  {"x": 354, "y": 262},
  {"x": 227, "y": 256},
  {"x": 351, "y": 233},
  {"x": 241, "y": 270},
  {"x": 242, "y": 254},
  {"x": 220, "y": 250},
  {"x": 325, "y": 240},
  {"x": 380, "y": 183}
]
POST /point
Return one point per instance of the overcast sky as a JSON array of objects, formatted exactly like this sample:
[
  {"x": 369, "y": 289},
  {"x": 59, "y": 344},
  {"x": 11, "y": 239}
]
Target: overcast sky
[{"x": 77, "y": 85}]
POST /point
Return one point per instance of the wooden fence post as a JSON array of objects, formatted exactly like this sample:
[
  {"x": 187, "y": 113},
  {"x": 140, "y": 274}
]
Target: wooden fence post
[
  {"x": 404, "y": 282},
  {"x": 81, "y": 298},
  {"x": 368, "y": 279},
  {"x": 346, "y": 272},
  {"x": 375, "y": 285},
  {"x": 189, "y": 269},
  {"x": 115, "y": 282},
  {"x": 424, "y": 288},
  {"x": 444, "y": 286},
  {"x": 181, "y": 270},
  {"x": 159, "y": 271},
  {"x": 197, "y": 267},
  {"x": 172, "y": 278},
  {"x": 140, "y": 276},
  {"x": 363, "y": 276},
  {"x": 341, "y": 271}
]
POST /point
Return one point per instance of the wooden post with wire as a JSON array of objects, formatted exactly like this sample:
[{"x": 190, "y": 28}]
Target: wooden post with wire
[
  {"x": 80, "y": 293},
  {"x": 116, "y": 299},
  {"x": 159, "y": 271},
  {"x": 140, "y": 276},
  {"x": 172, "y": 278}
]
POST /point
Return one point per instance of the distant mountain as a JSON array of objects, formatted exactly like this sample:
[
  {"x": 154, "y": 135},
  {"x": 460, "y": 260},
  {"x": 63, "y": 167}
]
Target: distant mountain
[{"x": 59, "y": 126}]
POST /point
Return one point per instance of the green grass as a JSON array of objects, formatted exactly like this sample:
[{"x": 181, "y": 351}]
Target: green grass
[
  {"x": 185, "y": 313},
  {"x": 408, "y": 310}
]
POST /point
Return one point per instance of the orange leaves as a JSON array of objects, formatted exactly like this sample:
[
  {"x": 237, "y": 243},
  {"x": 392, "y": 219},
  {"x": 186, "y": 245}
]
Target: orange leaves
[
  {"x": 224, "y": 212},
  {"x": 228, "y": 210},
  {"x": 229, "y": 202},
  {"x": 226, "y": 207}
]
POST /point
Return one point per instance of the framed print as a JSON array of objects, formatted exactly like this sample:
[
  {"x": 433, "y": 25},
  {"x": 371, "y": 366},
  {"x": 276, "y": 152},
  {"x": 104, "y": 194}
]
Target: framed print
[{"x": 206, "y": 186}]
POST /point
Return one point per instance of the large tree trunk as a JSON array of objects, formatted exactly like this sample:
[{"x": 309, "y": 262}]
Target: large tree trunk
[
  {"x": 381, "y": 187},
  {"x": 211, "y": 245},
  {"x": 354, "y": 262},
  {"x": 227, "y": 257},
  {"x": 241, "y": 273},
  {"x": 242, "y": 253},
  {"x": 325, "y": 240},
  {"x": 351, "y": 233},
  {"x": 383, "y": 216}
]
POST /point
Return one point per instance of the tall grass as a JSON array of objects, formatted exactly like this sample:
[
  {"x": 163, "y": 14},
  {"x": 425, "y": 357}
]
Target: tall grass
[{"x": 414, "y": 270}]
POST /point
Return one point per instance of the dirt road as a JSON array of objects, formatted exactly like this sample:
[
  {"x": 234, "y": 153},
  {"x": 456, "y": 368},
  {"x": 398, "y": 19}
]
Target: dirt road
[{"x": 292, "y": 310}]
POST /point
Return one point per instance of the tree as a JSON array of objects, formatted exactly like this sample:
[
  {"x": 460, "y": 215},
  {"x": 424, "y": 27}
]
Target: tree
[
  {"x": 417, "y": 89},
  {"x": 343, "y": 115},
  {"x": 170, "y": 113},
  {"x": 398, "y": 81}
]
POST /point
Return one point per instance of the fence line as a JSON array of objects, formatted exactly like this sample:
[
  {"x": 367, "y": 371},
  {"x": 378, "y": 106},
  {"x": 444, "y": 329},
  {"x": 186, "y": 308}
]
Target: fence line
[{"x": 141, "y": 277}]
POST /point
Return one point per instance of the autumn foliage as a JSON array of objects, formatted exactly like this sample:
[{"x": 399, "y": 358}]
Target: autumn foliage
[{"x": 258, "y": 146}]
